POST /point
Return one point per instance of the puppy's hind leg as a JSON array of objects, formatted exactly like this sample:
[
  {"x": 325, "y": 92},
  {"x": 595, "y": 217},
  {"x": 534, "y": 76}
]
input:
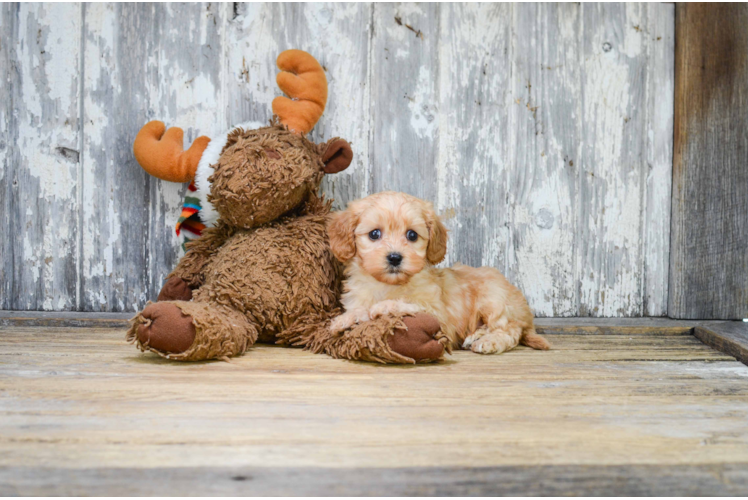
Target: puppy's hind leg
[{"x": 494, "y": 339}]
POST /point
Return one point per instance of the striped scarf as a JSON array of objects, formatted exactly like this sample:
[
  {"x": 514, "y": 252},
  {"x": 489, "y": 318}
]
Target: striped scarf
[{"x": 189, "y": 223}]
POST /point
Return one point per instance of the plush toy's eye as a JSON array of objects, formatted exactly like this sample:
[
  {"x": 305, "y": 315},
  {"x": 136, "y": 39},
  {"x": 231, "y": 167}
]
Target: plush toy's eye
[
  {"x": 375, "y": 234},
  {"x": 272, "y": 154},
  {"x": 411, "y": 235}
]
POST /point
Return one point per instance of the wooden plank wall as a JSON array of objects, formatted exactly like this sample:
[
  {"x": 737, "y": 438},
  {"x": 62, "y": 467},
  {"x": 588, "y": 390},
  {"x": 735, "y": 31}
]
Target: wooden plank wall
[
  {"x": 709, "y": 261},
  {"x": 542, "y": 132}
]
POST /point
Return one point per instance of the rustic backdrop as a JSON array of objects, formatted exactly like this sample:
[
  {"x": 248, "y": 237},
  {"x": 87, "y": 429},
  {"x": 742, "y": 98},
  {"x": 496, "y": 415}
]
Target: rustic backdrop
[{"x": 543, "y": 133}]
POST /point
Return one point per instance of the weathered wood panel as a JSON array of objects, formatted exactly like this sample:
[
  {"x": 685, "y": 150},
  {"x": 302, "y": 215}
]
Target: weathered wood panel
[
  {"x": 119, "y": 44},
  {"x": 516, "y": 481},
  {"x": 541, "y": 132},
  {"x": 405, "y": 98},
  {"x": 593, "y": 405},
  {"x": 40, "y": 109},
  {"x": 709, "y": 258},
  {"x": 474, "y": 154},
  {"x": 728, "y": 337},
  {"x": 146, "y": 62},
  {"x": 614, "y": 167},
  {"x": 544, "y": 141}
]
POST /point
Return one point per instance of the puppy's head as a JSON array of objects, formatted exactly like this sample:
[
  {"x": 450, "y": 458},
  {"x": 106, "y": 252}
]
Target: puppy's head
[{"x": 391, "y": 236}]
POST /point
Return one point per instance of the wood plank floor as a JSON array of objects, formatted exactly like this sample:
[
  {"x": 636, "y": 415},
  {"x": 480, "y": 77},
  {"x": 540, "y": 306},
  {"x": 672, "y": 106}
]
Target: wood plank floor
[{"x": 81, "y": 412}]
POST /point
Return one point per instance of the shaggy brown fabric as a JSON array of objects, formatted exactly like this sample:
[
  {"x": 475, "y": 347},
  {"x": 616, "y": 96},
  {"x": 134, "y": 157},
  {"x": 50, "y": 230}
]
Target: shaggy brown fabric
[
  {"x": 175, "y": 288},
  {"x": 373, "y": 340},
  {"x": 277, "y": 274},
  {"x": 190, "y": 267},
  {"x": 220, "y": 332},
  {"x": 250, "y": 187}
]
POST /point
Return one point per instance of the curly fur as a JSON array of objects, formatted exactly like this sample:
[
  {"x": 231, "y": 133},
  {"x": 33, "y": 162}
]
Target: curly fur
[{"x": 477, "y": 307}]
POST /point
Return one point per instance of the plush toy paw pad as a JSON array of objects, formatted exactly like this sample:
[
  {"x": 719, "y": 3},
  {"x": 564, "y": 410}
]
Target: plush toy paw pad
[
  {"x": 417, "y": 342},
  {"x": 175, "y": 289},
  {"x": 166, "y": 329}
]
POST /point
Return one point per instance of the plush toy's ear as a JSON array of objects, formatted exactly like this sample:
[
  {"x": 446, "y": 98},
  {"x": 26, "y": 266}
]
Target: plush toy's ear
[
  {"x": 337, "y": 155},
  {"x": 160, "y": 152},
  {"x": 340, "y": 229},
  {"x": 437, "y": 246}
]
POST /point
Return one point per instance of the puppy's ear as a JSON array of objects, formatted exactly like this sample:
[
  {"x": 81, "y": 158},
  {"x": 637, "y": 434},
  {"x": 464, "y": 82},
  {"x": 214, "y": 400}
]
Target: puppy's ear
[
  {"x": 340, "y": 229},
  {"x": 437, "y": 247}
]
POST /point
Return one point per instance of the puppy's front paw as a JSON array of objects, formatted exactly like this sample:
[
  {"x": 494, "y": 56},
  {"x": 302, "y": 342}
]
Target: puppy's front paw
[
  {"x": 387, "y": 307},
  {"x": 348, "y": 319}
]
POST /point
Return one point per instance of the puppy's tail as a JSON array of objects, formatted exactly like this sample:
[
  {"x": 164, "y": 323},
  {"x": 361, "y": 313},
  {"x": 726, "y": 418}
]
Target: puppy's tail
[{"x": 531, "y": 339}]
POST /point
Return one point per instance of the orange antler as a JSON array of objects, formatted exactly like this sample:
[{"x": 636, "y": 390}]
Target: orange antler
[
  {"x": 304, "y": 81},
  {"x": 162, "y": 155}
]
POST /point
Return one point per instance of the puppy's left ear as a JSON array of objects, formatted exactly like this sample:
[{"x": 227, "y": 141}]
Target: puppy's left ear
[
  {"x": 437, "y": 247},
  {"x": 336, "y": 155},
  {"x": 340, "y": 230}
]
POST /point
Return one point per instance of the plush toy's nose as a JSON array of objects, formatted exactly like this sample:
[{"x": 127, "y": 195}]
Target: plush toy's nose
[{"x": 394, "y": 259}]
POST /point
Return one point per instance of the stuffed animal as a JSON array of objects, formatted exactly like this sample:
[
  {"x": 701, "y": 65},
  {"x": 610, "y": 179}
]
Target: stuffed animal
[{"x": 261, "y": 268}]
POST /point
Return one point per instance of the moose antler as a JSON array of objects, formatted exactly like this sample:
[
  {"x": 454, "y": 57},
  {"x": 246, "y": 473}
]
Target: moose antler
[
  {"x": 162, "y": 155},
  {"x": 304, "y": 81}
]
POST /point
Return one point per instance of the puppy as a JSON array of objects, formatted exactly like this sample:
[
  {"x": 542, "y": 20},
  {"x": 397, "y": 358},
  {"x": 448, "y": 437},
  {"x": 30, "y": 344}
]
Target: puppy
[{"x": 389, "y": 243}]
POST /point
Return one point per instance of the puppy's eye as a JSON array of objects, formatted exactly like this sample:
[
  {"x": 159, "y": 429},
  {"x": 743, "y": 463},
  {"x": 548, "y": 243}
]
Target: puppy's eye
[
  {"x": 375, "y": 234},
  {"x": 411, "y": 235}
]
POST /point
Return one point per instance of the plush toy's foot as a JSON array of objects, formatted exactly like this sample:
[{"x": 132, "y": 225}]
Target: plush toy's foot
[
  {"x": 418, "y": 340},
  {"x": 387, "y": 339},
  {"x": 175, "y": 288},
  {"x": 166, "y": 328},
  {"x": 191, "y": 331}
]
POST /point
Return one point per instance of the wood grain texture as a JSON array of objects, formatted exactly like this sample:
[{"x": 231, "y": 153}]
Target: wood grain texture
[
  {"x": 519, "y": 481},
  {"x": 728, "y": 337},
  {"x": 709, "y": 238},
  {"x": 40, "y": 178},
  {"x": 474, "y": 91},
  {"x": 405, "y": 98},
  {"x": 599, "y": 405},
  {"x": 615, "y": 169},
  {"x": 542, "y": 133},
  {"x": 120, "y": 40},
  {"x": 148, "y": 62}
]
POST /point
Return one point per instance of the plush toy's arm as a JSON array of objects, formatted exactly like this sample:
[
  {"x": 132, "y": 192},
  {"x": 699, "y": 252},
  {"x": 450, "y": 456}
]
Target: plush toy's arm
[
  {"x": 199, "y": 251},
  {"x": 394, "y": 339}
]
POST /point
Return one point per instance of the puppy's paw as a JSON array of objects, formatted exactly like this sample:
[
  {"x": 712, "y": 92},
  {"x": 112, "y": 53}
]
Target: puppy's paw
[
  {"x": 348, "y": 319},
  {"x": 491, "y": 343},
  {"x": 387, "y": 307},
  {"x": 470, "y": 339}
]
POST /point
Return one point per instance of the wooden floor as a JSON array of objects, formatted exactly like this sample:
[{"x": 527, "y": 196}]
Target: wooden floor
[{"x": 83, "y": 413}]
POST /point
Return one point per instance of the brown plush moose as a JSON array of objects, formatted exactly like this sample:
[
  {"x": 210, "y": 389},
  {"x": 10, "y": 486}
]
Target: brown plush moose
[{"x": 262, "y": 270}]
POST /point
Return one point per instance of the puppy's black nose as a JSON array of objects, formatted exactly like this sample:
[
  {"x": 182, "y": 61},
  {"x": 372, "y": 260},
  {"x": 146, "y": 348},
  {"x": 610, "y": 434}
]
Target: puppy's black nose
[{"x": 394, "y": 259}]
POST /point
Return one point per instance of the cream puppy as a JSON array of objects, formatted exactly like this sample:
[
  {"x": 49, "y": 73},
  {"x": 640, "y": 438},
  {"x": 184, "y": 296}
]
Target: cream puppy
[{"x": 389, "y": 243}]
